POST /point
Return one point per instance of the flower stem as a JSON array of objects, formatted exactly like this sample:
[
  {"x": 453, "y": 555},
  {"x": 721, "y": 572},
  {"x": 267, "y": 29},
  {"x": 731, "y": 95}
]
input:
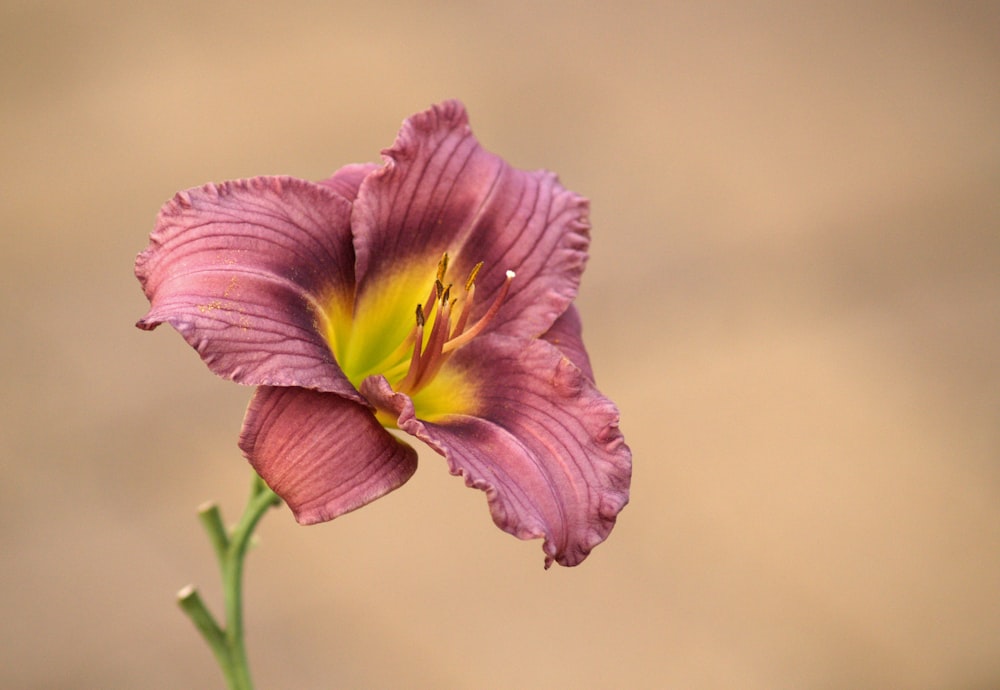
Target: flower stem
[{"x": 227, "y": 642}]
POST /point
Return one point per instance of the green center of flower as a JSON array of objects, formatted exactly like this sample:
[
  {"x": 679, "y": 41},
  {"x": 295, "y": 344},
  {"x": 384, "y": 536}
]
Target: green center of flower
[{"x": 406, "y": 329}]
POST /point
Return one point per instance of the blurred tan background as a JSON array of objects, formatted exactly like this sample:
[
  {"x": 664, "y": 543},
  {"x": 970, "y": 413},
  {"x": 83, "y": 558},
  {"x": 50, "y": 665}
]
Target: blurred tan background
[{"x": 794, "y": 297}]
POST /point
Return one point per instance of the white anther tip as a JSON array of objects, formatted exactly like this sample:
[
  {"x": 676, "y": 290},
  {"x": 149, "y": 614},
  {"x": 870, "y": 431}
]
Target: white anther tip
[{"x": 510, "y": 274}]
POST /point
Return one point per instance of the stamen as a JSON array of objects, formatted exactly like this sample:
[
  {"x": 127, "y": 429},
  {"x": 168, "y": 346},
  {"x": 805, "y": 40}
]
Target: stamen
[
  {"x": 463, "y": 316},
  {"x": 470, "y": 289},
  {"x": 477, "y": 328},
  {"x": 430, "y": 360},
  {"x": 471, "y": 280},
  {"x": 416, "y": 359},
  {"x": 438, "y": 288}
]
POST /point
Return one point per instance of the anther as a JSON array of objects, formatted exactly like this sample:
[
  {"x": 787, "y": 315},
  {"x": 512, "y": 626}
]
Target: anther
[
  {"x": 442, "y": 267},
  {"x": 470, "y": 289},
  {"x": 471, "y": 280},
  {"x": 417, "y": 357}
]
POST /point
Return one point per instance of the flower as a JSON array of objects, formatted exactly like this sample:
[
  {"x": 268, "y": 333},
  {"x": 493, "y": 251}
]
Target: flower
[{"x": 433, "y": 294}]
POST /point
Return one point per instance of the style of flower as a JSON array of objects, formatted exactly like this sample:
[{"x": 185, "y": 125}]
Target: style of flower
[{"x": 432, "y": 294}]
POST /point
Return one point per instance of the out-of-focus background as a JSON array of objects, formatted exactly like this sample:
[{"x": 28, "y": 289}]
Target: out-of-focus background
[{"x": 793, "y": 296}]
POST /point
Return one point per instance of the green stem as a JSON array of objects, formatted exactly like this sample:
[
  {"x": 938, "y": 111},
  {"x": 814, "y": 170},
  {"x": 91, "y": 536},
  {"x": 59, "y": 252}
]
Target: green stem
[
  {"x": 230, "y": 548},
  {"x": 211, "y": 520}
]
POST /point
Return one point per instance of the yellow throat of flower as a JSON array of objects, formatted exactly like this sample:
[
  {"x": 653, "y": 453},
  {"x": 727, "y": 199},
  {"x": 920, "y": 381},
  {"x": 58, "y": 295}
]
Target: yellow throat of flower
[{"x": 406, "y": 328}]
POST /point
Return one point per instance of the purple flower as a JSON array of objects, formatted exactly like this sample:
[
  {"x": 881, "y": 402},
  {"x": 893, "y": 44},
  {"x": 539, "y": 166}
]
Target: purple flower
[{"x": 433, "y": 294}]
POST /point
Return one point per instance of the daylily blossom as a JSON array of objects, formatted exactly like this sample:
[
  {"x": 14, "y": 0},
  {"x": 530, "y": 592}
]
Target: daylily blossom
[{"x": 432, "y": 294}]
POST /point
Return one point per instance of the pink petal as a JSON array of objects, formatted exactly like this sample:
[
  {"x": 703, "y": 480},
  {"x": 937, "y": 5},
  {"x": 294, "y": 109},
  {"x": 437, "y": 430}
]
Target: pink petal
[
  {"x": 240, "y": 269},
  {"x": 545, "y": 445},
  {"x": 347, "y": 180},
  {"x": 567, "y": 334},
  {"x": 324, "y": 455},
  {"x": 441, "y": 191}
]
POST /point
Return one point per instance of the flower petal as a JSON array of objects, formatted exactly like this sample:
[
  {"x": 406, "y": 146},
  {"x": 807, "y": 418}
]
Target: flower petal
[
  {"x": 324, "y": 455},
  {"x": 347, "y": 180},
  {"x": 567, "y": 334},
  {"x": 544, "y": 445},
  {"x": 240, "y": 270},
  {"x": 441, "y": 191}
]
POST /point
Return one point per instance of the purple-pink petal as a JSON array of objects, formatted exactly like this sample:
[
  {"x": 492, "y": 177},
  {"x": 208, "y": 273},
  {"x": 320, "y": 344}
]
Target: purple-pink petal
[
  {"x": 348, "y": 179},
  {"x": 567, "y": 334},
  {"x": 324, "y": 455},
  {"x": 545, "y": 446},
  {"x": 240, "y": 269},
  {"x": 441, "y": 191}
]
